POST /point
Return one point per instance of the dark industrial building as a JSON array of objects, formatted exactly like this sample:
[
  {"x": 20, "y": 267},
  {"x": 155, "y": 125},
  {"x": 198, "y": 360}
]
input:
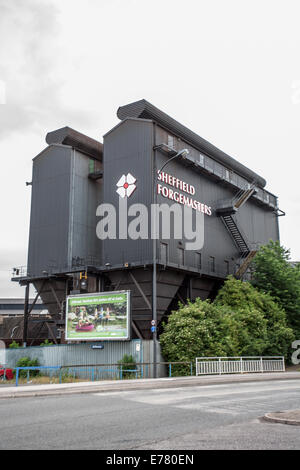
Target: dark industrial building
[
  {"x": 40, "y": 325},
  {"x": 74, "y": 174}
]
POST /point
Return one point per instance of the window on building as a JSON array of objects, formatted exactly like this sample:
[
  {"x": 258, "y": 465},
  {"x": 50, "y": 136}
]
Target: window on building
[
  {"x": 212, "y": 263},
  {"x": 201, "y": 159},
  {"x": 218, "y": 169},
  {"x": 227, "y": 175},
  {"x": 91, "y": 165},
  {"x": 226, "y": 266},
  {"x": 198, "y": 260},
  {"x": 171, "y": 141},
  {"x": 236, "y": 180},
  {"x": 94, "y": 165},
  {"x": 209, "y": 164},
  {"x": 180, "y": 252},
  {"x": 164, "y": 253}
]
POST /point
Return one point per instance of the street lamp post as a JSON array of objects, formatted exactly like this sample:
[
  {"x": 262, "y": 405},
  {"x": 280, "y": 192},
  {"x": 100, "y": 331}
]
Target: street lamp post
[{"x": 182, "y": 153}]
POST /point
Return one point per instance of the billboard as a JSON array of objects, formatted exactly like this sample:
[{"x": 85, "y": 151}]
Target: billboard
[{"x": 98, "y": 316}]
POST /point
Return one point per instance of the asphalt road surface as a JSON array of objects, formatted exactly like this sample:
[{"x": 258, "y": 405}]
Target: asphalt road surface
[{"x": 203, "y": 417}]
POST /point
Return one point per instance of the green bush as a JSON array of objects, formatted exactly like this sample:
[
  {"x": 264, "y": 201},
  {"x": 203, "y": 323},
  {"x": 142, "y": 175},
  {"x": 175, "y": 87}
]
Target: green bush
[
  {"x": 46, "y": 343},
  {"x": 263, "y": 325},
  {"x": 14, "y": 345},
  {"x": 127, "y": 362},
  {"x": 27, "y": 362},
  {"x": 67, "y": 376},
  {"x": 241, "y": 321},
  {"x": 197, "y": 329},
  {"x": 274, "y": 274}
]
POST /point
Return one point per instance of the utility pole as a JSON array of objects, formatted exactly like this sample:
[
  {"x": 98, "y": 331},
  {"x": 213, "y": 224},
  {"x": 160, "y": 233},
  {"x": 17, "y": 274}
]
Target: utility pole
[
  {"x": 183, "y": 153},
  {"x": 26, "y": 314},
  {"x": 154, "y": 274}
]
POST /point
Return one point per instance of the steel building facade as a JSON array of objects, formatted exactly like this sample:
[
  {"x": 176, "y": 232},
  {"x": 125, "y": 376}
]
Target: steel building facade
[{"x": 75, "y": 174}]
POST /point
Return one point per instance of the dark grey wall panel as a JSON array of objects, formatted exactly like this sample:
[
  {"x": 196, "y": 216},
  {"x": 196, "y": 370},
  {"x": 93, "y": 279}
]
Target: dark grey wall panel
[
  {"x": 128, "y": 149},
  {"x": 63, "y": 212},
  {"x": 217, "y": 241},
  {"x": 49, "y": 221},
  {"x": 87, "y": 195},
  {"x": 258, "y": 223}
]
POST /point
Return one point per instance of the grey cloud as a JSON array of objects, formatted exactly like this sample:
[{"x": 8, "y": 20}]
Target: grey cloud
[
  {"x": 12, "y": 258},
  {"x": 30, "y": 51}
]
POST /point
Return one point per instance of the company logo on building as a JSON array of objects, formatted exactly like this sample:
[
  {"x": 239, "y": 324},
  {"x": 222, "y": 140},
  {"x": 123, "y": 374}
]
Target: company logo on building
[{"x": 126, "y": 185}]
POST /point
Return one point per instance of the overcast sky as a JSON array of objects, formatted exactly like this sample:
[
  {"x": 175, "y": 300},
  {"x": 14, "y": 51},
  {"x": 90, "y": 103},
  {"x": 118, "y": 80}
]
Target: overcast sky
[{"x": 229, "y": 70}]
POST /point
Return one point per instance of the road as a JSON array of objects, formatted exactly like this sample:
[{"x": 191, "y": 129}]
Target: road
[{"x": 226, "y": 416}]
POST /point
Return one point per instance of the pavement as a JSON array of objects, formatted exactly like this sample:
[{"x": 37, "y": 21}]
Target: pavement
[
  {"x": 284, "y": 417},
  {"x": 9, "y": 391},
  {"x": 206, "y": 416}
]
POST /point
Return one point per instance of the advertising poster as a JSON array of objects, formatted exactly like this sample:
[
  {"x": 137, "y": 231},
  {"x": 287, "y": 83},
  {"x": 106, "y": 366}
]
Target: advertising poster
[{"x": 98, "y": 316}]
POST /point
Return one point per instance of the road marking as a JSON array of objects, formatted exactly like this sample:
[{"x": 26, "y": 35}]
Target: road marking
[{"x": 164, "y": 397}]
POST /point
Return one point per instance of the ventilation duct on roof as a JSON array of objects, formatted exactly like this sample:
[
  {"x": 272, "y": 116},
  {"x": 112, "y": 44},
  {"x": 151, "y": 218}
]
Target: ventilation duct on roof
[
  {"x": 144, "y": 109},
  {"x": 81, "y": 142}
]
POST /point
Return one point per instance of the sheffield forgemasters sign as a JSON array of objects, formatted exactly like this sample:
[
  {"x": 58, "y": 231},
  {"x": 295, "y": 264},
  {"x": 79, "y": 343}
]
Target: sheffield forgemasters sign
[{"x": 99, "y": 316}]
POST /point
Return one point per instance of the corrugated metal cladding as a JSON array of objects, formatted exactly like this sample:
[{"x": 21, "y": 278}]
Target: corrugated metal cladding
[
  {"x": 50, "y": 200},
  {"x": 68, "y": 187},
  {"x": 83, "y": 354},
  {"x": 258, "y": 223},
  {"x": 78, "y": 354},
  {"x": 128, "y": 149},
  {"x": 63, "y": 211}
]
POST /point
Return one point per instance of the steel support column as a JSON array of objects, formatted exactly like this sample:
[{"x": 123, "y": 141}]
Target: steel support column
[
  {"x": 137, "y": 285},
  {"x": 26, "y": 315},
  {"x": 136, "y": 330}
]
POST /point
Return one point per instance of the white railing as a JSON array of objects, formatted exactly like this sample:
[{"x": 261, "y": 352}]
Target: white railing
[{"x": 239, "y": 365}]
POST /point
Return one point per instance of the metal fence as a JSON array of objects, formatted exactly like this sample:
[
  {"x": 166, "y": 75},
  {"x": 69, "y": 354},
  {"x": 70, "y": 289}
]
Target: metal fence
[
  {"x": 104, "y": 354},
  {"x": 239, "y": 365},
  {"x": 94, "y": 372}
]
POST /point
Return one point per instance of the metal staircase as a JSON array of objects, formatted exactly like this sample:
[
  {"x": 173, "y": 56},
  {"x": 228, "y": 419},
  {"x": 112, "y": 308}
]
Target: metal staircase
[
  {"x": 230, "y": 206},
  {"x": 245, "y": 265},
  {"x": 236, "y": 234},
  {"x": 226, "y": 211},
  {"x": 243, "y": 195}
]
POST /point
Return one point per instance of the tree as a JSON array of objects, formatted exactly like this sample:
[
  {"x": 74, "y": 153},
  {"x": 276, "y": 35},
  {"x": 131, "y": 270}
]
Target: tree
[
  {"x": 197, "y": 329},
  {"x": 265, "y": 320},
  {"x": 241, "y": 321},
  {"x": 275, "y": 275}
]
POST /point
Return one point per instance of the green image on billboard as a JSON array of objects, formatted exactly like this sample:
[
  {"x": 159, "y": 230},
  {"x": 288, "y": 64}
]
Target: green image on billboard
[{"x": 98, "y": 316}]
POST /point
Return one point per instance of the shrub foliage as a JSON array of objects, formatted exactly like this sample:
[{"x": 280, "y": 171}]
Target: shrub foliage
[
  {"x": 241, "y": 321},
  {"x": 27, "y": 362},
  {"x": 274, "y": 274}
]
